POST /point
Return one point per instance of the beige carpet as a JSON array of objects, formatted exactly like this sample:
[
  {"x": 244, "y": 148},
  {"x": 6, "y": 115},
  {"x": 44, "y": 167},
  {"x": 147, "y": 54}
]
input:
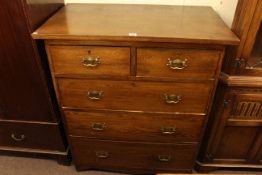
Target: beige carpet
[{"x": 32, "y": 166}]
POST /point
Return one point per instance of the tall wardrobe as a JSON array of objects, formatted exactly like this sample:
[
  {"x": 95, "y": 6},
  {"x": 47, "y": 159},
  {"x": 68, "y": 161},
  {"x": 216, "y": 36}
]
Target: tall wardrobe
[
  {"x": 234, "y": 135},
  {"x": 29, "y": 121}
]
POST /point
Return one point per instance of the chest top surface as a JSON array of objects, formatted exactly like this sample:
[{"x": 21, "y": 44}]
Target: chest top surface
[{"x": 159, "y": 23}]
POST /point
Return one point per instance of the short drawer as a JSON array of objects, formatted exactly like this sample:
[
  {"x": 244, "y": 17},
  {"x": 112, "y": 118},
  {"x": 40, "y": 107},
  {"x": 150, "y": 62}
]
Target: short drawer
[
  {"x": 177, "y": 63},
  {"x": 111, "y": 155},
  {"x": 135, "y": 96},
  {"x": 31, "y": 135},
  {"x": 135, "y": 126},
  {"x": 90, "y": 60}
]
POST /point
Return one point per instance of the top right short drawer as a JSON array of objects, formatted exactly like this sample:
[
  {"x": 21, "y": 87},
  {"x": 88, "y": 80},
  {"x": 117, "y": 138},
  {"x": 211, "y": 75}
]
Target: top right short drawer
[{"x": 177, "y": 63}]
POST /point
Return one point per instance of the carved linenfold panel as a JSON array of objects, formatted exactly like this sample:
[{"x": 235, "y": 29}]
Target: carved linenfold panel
[{"x": 248, "y": 110}]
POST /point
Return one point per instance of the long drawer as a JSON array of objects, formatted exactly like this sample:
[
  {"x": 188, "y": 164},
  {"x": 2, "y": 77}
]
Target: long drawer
[
  {"x": 108, "y": 155},
  {"x": 177, "y": 63},
  {"x": 135, "y": 126},
  {"x": 90, "y": 60},
  {"x": 30, "y": 135},
  {"x": 135, "y": 96}
]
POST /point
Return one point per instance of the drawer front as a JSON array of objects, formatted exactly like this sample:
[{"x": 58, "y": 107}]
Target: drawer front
[
  {"x": 177, "y": 63},
  {"x": 33, "y": 136},
  {"x": 135, "y": 96},
  {"x": 125, "y": 155},
  {"x": 135, "y": 126},
  {"x": 90, "y": 60}
]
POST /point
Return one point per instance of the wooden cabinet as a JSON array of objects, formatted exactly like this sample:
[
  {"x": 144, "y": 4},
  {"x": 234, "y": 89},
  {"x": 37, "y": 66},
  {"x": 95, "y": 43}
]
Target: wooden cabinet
[
  {"x": 245, "y": 60},
  {"x": 233, "y": 139},
  {"x": 136, "y": 104},
  {"x": 252, "y": 50},
  {"x": 236, "y": 138},
  {"x": 29, "y": 121}
]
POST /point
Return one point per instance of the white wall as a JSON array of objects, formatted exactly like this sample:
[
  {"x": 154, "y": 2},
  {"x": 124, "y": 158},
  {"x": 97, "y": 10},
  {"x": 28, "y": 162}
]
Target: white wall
[{"x": 225, "y": 8}]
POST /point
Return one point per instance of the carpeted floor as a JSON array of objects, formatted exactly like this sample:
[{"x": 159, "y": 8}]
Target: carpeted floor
[{"x": 32, "y": 166}]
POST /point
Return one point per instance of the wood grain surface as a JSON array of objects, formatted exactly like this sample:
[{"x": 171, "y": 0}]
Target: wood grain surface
[
  {"x": 183, "y": 24},
  {"x": 199, "y": 64},
  {"x": 135, "y": 96},
  {"x": 110, "y": 155},
  {"x": 114, "y": 114},
  {"x": 69, "y": 60},
  {"x": 135, "y": 126}
]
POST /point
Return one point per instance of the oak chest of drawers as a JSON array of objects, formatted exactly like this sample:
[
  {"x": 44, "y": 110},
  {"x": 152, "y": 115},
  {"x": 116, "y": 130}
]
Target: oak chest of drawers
[{"x": 135, "y": 82}]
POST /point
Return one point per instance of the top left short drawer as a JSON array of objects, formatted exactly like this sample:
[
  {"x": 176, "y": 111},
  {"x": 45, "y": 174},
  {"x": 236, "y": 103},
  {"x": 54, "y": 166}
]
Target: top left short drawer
[{"x": 90, "y": 60}]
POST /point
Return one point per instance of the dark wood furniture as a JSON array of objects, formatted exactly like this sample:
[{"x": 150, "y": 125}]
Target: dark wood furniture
[
  {"x": 234, "y": 137},
  {"x": 210, "y": 174},
  {"x": 135, "y": 82},
  {"x": 29, "y": 121}
]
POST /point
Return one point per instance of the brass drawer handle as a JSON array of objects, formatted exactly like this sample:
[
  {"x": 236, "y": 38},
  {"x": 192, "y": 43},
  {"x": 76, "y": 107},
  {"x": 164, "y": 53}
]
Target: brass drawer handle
[
  {"x": 168, "y": 130},
  {"x": 95, "y": 95},
  {"x": 172, "y": 98},
  {"x": 98, "y": 126},
  {"x": 18, "y": 138},
  {"x": 177, "y": 64},
  {"x": 102, "y": 154},
  {"x": 164, "y": 158},
  {"x": 91, "y": 61}
]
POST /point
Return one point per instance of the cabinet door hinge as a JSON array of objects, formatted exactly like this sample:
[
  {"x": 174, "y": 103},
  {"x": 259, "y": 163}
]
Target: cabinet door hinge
[
  {"x": 209, "y": 157},
  {"x": 239, "y": 62},
  {"x": 225, "y": 103}
]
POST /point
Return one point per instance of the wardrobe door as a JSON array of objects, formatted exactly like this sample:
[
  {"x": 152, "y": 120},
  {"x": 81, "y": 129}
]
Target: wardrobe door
[
  {"x": 38, "y": 11},
  {"x": 24, "y": 94}
]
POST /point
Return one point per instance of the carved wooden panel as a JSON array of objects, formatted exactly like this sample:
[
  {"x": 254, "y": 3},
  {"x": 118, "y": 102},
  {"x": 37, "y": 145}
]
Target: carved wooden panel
[
  {"x": 247, "y": 104},
  {"x": 247, "y": 110}
]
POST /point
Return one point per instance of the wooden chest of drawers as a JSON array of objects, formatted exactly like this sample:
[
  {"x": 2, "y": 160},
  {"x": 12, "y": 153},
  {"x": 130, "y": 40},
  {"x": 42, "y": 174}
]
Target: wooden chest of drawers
[{"x": 135, "y": 103}]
